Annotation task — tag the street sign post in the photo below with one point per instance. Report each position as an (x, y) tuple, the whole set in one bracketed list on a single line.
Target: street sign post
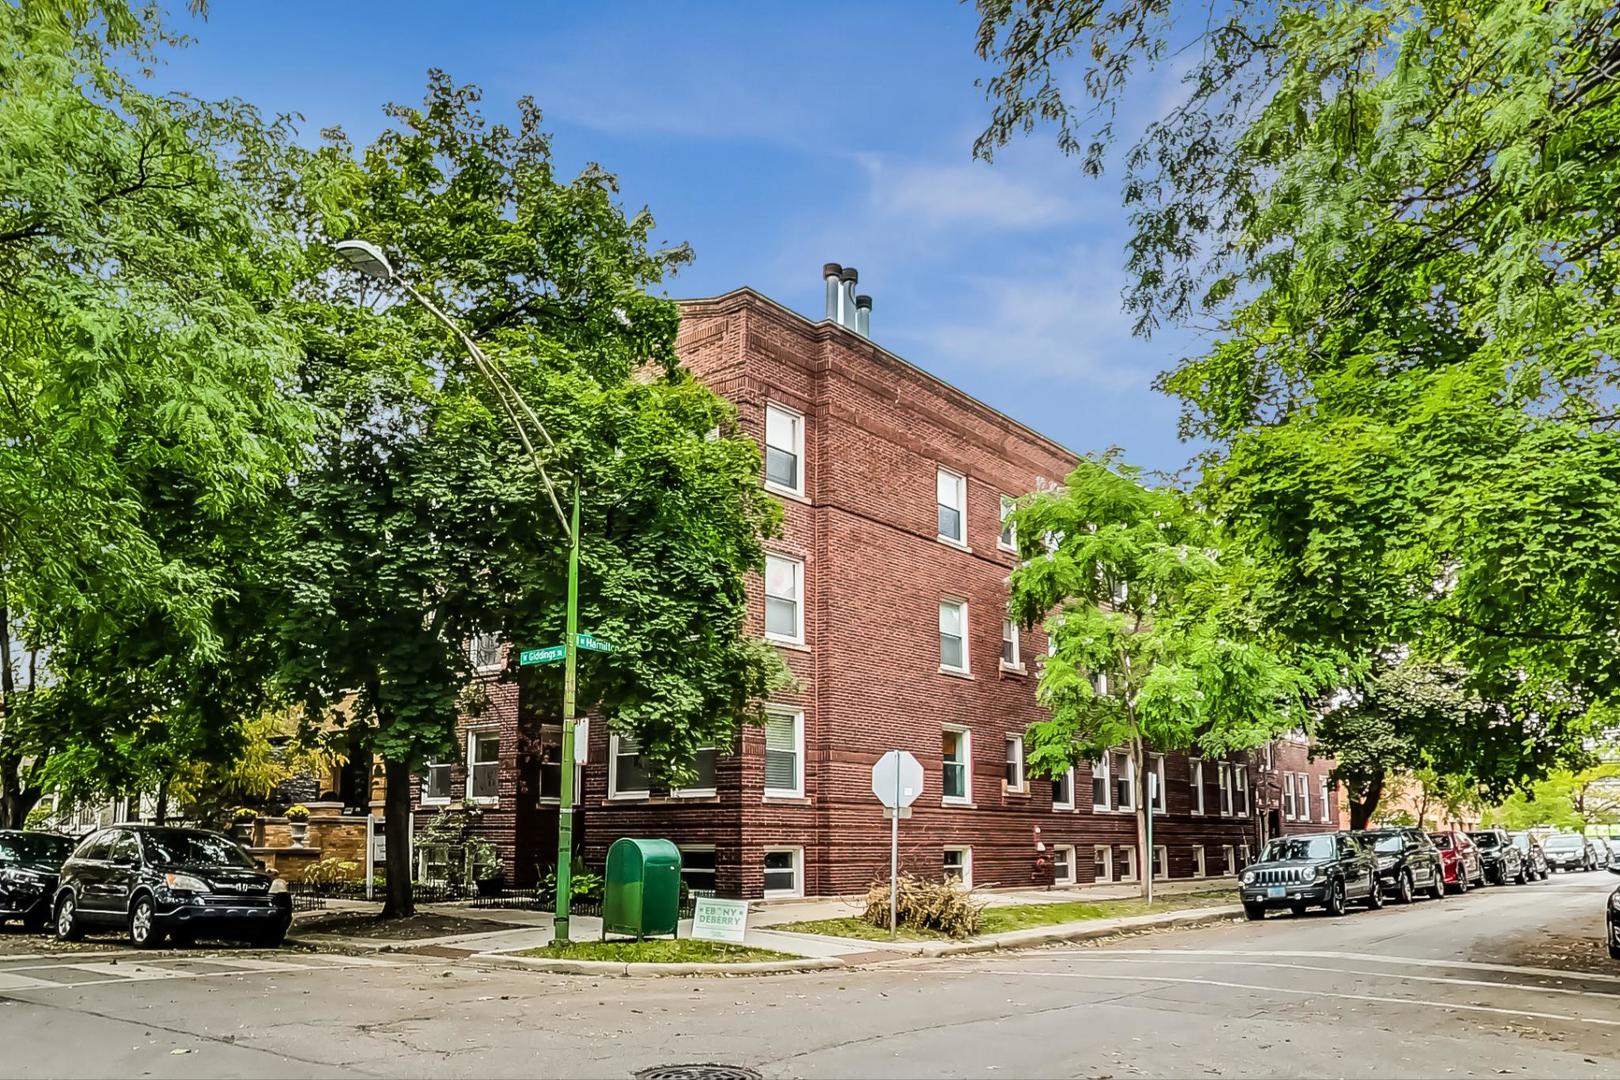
[(897, 780)]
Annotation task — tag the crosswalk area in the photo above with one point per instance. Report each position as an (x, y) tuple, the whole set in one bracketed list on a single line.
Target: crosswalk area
[(28, 974)]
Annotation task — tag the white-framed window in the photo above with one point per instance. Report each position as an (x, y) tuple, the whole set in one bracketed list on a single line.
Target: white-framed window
[(1327, 801), (1124, 771), (1128, 864), (1102, 863), (784, 871), (1014, 774), (483, 767), (697, 868), (1063, 864), (784, 752), (436, 783), (1063, 791), (484, 650), (1223, 775), (1195, 785), (1099, 783), (958, 865), (1266, 757), (784, 599), (1229, 859), (1156, 793), (703, 784), (1009, 644), (784, 449), (1008, 540), (627, 774), (953, 642), (1240, 790), (1198, 860), (1288, 796), (956, 774), (1304, 789), (951, 489), (1161, 862)]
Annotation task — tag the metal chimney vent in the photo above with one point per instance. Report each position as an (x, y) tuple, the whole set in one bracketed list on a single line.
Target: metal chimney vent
[(843, 306)]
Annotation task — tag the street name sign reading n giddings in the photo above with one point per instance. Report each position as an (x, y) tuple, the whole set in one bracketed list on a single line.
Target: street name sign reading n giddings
[(553, 653), (897, 780)]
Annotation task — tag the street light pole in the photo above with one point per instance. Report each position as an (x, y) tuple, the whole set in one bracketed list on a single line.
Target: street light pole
[(370, 260)]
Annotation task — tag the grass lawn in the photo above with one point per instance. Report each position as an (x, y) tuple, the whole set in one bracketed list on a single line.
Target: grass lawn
[(998, 920), (658, 951)]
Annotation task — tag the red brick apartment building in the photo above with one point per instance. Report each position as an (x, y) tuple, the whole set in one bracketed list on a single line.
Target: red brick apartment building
[(886, 593)]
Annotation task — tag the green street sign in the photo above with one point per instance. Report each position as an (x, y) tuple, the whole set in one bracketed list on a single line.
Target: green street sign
[(548, 655), (595, 644)]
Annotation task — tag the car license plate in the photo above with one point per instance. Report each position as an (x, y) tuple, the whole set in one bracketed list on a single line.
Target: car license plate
[(1276, 890)]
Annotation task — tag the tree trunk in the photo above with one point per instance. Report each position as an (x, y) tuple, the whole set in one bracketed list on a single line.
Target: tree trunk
[(160, 812), (1144, 807), (1362, 806), (400, 901)]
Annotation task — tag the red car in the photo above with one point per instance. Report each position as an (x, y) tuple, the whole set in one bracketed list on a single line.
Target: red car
[(1459, 860)]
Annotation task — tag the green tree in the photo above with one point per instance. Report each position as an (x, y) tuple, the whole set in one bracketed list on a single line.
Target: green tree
[(1565, 800), (1154, 647), (145, 379), (420, 522)]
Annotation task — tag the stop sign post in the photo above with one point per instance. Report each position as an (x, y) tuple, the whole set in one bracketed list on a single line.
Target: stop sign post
[(897, 780)]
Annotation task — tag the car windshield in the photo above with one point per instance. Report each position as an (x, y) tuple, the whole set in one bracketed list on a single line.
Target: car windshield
[(1520, 841), (1441, 840), (1387, 842), (1485, 839), (1286, 849), (174, 847), (1563, 843), (35, 847)]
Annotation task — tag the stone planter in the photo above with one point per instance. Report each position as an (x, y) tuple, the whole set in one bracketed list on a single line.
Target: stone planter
[(300, 829)]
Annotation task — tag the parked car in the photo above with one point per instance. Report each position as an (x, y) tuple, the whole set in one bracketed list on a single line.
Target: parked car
[(1459, 860), (1535, 859), (1614, 850), (1501, 859), (1612, 923), (29, 864), (1407, 861), (1599, 852), (157, 882), (1323, 869), (1566, 852)]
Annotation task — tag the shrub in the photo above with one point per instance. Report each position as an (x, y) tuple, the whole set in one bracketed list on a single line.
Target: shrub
[(298, 813), (329, 872), (40, 817), (943, 906), (582, 885), (244, 815)]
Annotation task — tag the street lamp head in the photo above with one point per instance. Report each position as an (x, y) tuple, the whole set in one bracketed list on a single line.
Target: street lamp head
[(365, 257)]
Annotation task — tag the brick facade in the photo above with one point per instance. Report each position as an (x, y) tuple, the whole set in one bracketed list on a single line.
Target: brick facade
[(875, 430)]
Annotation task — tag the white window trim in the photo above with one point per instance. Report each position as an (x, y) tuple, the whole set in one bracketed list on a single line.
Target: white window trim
[(1011, 543), (1108, 785), (1327, 801), (1304, 789), (1017, 662), (1070, 804), (967, 862), (1156, 777), (962, 517), (1130, 865), (967, 661), (703, 792), (428, 800), (1200, 867), (1130, 778), (1073, 870), (485, 669), (1240, 782), (1288, 803), (1163, 857), (1229, 855), (797, 637), (1223, 779), (1195, 780), (966, 798), (1108, 863), (798, 871), (797, 790), (1011, 739), (798, 447), (614, 791), (472, 741), (684, 848)]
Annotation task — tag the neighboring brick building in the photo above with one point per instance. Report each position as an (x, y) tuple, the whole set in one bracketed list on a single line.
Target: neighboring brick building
[(886, 594), (1293, 793)]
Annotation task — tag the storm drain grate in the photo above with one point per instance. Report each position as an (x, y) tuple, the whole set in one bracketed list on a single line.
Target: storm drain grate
[(697, 1072)]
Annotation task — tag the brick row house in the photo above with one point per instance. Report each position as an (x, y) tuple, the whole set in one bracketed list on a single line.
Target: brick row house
[(886, 594)]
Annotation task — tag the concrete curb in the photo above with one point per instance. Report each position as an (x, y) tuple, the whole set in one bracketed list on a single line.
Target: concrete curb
[(1037, 936), (612, 968)]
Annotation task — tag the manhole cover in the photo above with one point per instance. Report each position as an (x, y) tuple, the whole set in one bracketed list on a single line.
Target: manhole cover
[(697, 1072)]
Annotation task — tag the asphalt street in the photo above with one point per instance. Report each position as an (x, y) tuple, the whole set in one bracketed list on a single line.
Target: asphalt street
[(1501, 982)]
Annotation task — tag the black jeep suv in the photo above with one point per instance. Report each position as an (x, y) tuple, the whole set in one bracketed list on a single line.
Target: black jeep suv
[(1501, 861), (1407, 859), (156, 881), (29, 863), (1296, 872)]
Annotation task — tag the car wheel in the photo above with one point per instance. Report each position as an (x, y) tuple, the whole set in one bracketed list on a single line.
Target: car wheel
[(67, 918), (1462, 881), (1437, 884), (143, 930), (1254, 912), (1404, 891), (1522, 878), (1335, 900), (1614, 952), (1375, 896)]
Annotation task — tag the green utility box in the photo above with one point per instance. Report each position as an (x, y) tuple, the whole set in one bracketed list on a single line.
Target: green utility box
[(642, 893)]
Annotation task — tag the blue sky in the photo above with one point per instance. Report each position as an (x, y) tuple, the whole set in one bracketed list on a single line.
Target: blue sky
[(774, 138)]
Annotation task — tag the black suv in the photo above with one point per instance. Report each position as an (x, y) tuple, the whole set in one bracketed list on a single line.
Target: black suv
[(29, 863), (1611, 922), (1296, 872), (1407, 859), (1536, 866), (157, 881), (1499, 858)]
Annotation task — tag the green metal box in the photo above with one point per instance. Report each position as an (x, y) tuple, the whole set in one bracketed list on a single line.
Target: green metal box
[(642, 892)]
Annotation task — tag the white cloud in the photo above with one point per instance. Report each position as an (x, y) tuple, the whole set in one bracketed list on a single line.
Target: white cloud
[(934, 195)]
